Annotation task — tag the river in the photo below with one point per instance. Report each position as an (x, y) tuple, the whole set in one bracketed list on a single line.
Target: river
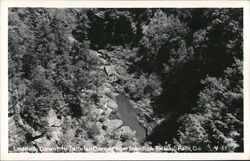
[(129, 117)]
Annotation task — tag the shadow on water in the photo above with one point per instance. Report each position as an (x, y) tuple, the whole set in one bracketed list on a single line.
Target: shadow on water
[(163, 133), (181, 88), (129, 117)]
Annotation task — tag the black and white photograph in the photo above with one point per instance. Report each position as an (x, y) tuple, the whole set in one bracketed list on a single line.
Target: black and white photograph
[(126, 80)]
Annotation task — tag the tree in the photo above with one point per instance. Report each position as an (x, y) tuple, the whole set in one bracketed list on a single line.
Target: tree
[(160, 36), (218, 115)]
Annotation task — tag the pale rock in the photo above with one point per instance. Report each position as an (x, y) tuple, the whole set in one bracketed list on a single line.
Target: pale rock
[(102, 101), (103, 61), (112, 104), (52, 118), (107, 85), (126, 132), (109, 70), (115, 94), (43, 142), (101, 67), (94, 53), (102, 51), (108, 111), (103, 90), (118, 147), (119, 144), (106, 90), (112, 124), (99, 139), (100, 111), (99, 125), (71, 39), (55, 133)]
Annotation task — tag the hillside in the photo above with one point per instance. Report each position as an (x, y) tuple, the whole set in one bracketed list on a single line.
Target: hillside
[(125, 80)]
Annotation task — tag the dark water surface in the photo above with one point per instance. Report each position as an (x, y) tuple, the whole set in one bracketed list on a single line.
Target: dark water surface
[(129, 117)]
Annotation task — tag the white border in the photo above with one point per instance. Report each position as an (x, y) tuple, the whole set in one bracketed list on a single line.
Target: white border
[(117, 156)]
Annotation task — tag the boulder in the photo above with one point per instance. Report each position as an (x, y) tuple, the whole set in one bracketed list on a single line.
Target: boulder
[(108, 111), (94, 53), (107, 85), (109, 70), (55, 133), (103, 90), (112, 124), (106, 90), (104, 62), (99, 139), (102, 51), (126, 133), (52, 118), (112, 104), (100, 15), (101, 67), (100, 111), (71, 39)]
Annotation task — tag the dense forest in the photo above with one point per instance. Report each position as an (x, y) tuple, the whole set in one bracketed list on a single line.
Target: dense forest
[(180, 70)]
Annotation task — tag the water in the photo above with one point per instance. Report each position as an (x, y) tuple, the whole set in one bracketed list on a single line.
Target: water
[(129, 117)]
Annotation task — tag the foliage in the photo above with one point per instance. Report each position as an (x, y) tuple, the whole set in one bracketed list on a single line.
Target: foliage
[(162, 31), (218, 122), (183, 66)]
